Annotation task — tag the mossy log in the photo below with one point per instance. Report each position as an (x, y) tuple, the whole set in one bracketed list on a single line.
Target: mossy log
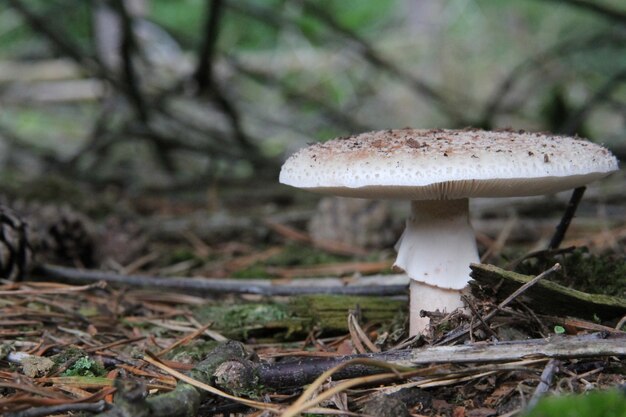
[(298, 316), (131, 398), (548, 297)]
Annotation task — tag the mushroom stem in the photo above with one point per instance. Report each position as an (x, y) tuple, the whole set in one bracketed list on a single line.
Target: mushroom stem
[(430, 298), (435, 251)]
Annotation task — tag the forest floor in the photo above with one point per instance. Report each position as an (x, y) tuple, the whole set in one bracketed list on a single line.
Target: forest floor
[(73, 342)]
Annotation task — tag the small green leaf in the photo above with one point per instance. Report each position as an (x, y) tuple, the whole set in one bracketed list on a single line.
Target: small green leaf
[(559, 329)]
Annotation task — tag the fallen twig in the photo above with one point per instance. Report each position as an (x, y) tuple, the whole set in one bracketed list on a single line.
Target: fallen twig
[(568, 215), (297, 372), (377, 286), (544, 381)]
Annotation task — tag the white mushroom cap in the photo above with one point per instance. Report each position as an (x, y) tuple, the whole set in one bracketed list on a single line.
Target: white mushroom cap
[(447, 164)]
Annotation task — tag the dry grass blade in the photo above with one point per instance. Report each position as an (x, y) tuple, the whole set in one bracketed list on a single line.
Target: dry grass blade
[(359, 337), (185, 339), (56, 290)]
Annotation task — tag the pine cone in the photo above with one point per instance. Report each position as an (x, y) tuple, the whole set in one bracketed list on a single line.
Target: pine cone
[(59, 234), (16, 255)]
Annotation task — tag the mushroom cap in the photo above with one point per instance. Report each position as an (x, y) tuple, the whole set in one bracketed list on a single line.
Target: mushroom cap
[(447, 164)]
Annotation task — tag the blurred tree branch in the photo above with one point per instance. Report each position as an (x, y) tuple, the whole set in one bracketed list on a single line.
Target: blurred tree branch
[(333, 114), (368, 53), (213, 108), (58, 38), (606, 11), (496, 103), (375, 58), (146, 107), (128, 48), (572, 125), (205, 78), (203, 74)]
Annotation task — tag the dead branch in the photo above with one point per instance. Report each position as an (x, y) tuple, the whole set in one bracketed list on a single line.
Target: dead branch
[(265, 287), (545, 380), (568, 215), (299, 371)]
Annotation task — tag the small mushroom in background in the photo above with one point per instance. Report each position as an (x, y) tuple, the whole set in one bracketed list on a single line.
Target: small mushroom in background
[(439, 170)]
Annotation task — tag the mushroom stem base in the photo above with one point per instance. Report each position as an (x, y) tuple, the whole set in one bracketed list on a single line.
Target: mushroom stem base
[(430, 298), (435, 251)]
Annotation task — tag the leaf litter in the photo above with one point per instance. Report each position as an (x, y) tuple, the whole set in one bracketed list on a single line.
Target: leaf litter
[(67, 348)]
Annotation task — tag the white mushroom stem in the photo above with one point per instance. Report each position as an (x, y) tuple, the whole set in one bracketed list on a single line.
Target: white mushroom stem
[(435, 251)]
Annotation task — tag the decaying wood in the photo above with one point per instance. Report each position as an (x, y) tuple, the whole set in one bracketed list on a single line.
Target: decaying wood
[(299, 316), (379, 285), (299, 371), (548, 297), (462, 331)]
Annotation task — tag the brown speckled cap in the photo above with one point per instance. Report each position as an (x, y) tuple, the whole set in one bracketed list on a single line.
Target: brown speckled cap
[(447, 164)]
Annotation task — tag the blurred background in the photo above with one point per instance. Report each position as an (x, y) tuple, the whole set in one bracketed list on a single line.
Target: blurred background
[(170, 94), (131, 103)]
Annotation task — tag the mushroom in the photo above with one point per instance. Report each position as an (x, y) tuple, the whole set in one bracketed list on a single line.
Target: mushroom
[(439, 170)]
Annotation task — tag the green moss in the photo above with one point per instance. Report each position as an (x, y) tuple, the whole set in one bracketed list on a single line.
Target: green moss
[(541, 296), (330, 312), (244, 320), (327, 313), (595, 404), (192, 352), (597, 274), (85, 366)]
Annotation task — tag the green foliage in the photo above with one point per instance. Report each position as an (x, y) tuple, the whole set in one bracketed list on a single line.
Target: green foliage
[(595, 404), (19, 40), (357, 16), (243, 25), (85, 366), (183, 17)]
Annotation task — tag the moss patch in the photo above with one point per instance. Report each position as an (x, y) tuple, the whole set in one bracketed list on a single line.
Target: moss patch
[(597, 274), (595, 404)]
